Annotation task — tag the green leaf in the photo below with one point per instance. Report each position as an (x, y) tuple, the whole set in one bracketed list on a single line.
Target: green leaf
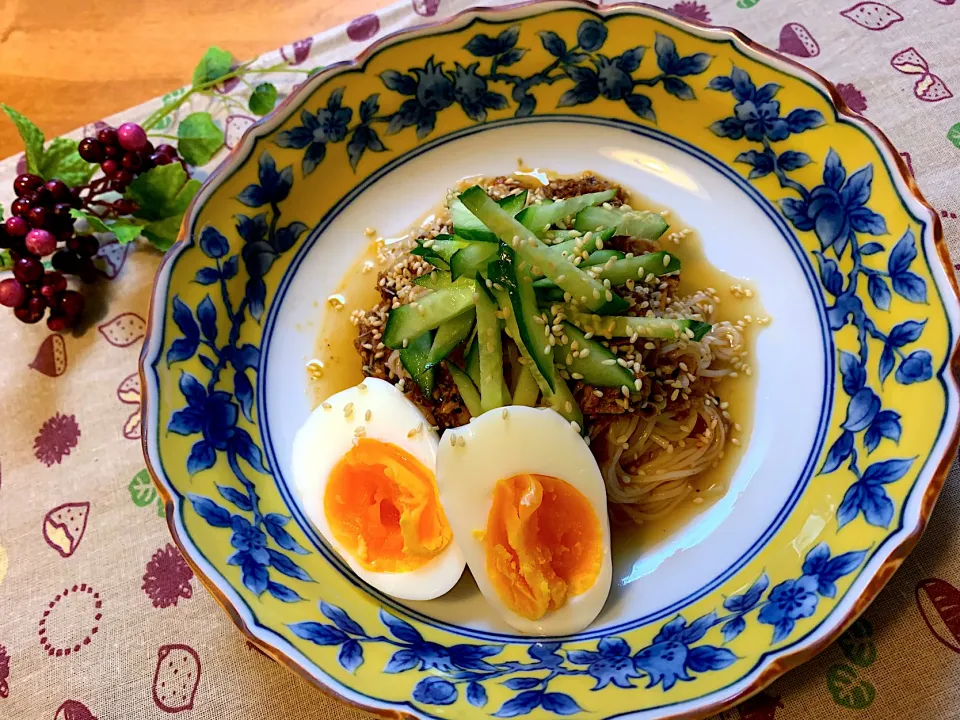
[(263, 99), (200, 138), (142, 491), (214, 64), (163, 195), (124, 229), (155, 191), (32, 138), (61, 160), (163, 233), (953, 135)]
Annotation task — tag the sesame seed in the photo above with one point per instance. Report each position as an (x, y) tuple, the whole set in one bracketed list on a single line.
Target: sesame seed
[(348, 410), (453, 440), (326, 405), (504, 414), (367, 415), (360, 432), (575, 426), (461, 441)]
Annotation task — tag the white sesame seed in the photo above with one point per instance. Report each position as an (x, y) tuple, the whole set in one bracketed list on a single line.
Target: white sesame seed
[(326, 405)]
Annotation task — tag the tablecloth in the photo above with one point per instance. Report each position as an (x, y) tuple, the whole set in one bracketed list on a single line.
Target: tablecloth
[(87, 617)]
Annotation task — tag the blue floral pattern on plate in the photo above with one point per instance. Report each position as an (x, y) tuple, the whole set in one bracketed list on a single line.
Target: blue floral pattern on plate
[(837, 212), (675, 654)]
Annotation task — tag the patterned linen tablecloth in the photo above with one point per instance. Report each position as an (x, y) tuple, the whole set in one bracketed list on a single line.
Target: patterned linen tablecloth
[(88, 617)]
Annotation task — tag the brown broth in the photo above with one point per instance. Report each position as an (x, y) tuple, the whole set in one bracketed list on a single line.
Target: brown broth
[(342, 369)]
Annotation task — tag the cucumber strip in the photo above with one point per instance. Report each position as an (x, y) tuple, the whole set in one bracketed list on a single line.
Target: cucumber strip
[(522, 306), (648, 327), (491, 353), (473, 363), (568, 244), (467, 390), (408, 322), (600, 366), (558, 396), (633, 223), (539, 218), (414, 359), (431, 257), (467, 226), (640, 266), (623, 269), (536, 255), (449, 335), (440, 280), (446, 246), (599, 257), (527, 391), (434, 280), (475, 257)]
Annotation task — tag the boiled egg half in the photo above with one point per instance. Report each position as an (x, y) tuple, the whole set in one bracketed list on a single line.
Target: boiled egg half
[(363, 466), (528, 507)]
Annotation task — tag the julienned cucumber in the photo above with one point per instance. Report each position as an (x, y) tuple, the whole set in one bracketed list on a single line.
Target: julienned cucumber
[(440, 250), (473, 364), (467, 390), (540, 218), (633, 223), (450, 334), (538, 256), (599, 366), (491, 352), (474, 257), (567, 243), (467, 226), (622, 269), (651, 327), (409, 322), (527, 391), (559, 396), (414, 360), (522, 305)]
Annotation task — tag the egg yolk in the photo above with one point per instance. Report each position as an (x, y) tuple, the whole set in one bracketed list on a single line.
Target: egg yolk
[(382, 506), (543, 543)]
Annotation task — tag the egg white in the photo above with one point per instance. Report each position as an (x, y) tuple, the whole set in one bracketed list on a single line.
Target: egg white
[(328, 435), (497, 445)]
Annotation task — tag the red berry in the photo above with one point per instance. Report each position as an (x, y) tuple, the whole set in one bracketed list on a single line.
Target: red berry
[(91, 150), (41, 242), (73, 244), (159, 158), (54, 283), (28, 270), (57, 322), (26, 183), (20, 207), (107, 136), (72, 303), (131, 137), (123, 177), (38, 217), (41, 197), (125, 206), (132, 161), (37, 304), (62, 210), (25, 315), (58, 189), (16, 226), (110, 167), (167, 149), (113, 151), (64, 260), (148, 149), (12, 293), (64, 233), (89, 246)]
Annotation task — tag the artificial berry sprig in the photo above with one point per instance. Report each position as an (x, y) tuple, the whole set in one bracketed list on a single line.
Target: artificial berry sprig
[(42, 226), (141, 192)]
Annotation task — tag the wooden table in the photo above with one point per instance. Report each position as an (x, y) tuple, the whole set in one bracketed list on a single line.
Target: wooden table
[(64, 63)]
